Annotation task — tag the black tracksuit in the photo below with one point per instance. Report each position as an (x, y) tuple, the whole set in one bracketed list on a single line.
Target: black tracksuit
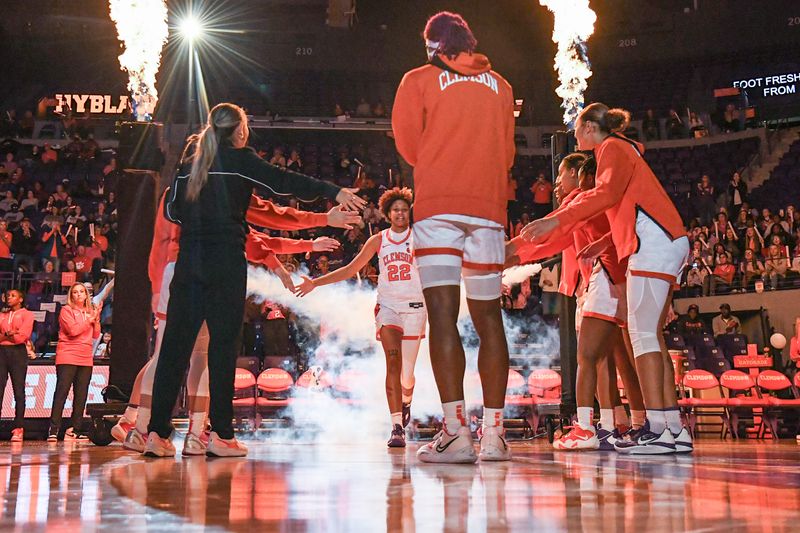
[(210, 277)]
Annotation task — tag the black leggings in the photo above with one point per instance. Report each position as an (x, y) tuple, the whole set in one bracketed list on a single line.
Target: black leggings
[(14, 362), (77, 377), (209, 284)]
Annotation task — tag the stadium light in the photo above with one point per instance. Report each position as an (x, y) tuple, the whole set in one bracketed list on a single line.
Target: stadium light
[(191, 28)]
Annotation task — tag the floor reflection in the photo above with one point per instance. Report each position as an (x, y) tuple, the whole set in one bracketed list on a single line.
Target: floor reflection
[(314, 488)]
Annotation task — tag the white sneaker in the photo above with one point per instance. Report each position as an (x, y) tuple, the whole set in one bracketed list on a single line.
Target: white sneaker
[(193, 445), (446, 448), (121, 429), (645, 442), (134, 441), (219, 447), (493, 445), (71, 436), (158, 447), (683, 441)]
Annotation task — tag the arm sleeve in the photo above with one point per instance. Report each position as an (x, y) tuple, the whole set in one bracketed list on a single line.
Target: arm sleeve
[(280, 245), (530, 252), (614, 171), (282, 181), (70, 326), (407, 119), (265, 214), (258, 252)]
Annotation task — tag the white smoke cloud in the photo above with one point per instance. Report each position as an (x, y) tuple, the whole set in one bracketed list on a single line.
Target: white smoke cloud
[(345, 312), (517, 274)]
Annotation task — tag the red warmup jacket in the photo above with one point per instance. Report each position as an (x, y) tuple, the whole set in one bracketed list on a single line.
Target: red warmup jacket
[(20, 321), (570, 244), (624, 185), (75, 336), (258, 246), (453, 121)]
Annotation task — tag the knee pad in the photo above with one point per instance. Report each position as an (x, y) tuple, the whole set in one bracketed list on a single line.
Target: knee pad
[(439, 275), (646, 299), (479, 285)]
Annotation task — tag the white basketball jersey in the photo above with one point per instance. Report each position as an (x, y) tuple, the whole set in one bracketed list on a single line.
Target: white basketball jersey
[(398, 282)]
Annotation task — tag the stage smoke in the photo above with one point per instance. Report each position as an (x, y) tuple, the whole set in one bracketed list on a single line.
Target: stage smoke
[(574, 23), (517, 274), (347, 348), (142, 28)]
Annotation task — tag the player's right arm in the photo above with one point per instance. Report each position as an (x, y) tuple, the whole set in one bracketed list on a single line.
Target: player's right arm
[(369, 250)]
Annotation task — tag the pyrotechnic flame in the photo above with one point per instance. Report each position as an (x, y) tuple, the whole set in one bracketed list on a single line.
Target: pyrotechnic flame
[(574, 23), (142, 28)]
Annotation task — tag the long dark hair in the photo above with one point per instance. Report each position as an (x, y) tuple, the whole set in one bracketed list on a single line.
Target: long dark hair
[(452, 33)]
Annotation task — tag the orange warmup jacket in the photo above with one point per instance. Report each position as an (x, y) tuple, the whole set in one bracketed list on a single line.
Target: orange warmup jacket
[(453, 121), (259, 247), (624, 186)]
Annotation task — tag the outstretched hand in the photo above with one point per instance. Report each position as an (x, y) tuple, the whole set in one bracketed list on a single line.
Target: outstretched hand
[(305, 287), (324, 244), (350, 200), (339, 218), (286, 278), (539, 229)]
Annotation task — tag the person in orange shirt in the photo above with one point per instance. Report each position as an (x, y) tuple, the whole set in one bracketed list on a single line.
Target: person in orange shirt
[(542, 196), (79, 325), (647, 230), (5, 246), (453, 121), (16, 325)]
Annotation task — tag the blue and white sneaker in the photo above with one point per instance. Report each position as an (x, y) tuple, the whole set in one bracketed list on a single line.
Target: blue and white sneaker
[(683, 441), (645, 442), (398, 437), (607, 439), (406, 414)]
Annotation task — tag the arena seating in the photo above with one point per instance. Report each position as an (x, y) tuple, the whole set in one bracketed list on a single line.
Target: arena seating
[(781, 188), (694, 405)]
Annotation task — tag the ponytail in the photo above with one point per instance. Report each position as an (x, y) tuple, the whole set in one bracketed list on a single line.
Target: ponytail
[(222, 122), (614, 120)]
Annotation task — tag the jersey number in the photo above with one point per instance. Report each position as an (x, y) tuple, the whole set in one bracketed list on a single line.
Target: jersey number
[(399, 273)]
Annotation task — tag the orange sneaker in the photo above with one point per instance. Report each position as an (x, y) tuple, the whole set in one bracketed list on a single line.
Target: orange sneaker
[(577, 439)]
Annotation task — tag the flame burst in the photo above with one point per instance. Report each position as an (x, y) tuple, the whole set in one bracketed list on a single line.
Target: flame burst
[(142, 28), (574, 23)]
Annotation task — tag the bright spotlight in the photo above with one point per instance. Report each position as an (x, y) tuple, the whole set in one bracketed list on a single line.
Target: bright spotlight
[(191, 28)]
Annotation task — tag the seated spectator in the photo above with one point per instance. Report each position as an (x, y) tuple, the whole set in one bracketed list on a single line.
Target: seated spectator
[(776, 266), (294, 163), (277, 158), (650, 127), (542, 191), (83, 263), (722, 274), (45, 281), (696, 126), (7, 201), (731, 243), (675, 127), (691, 324), (725, 323), (695, 277), (9, 165), (75, 215), (752, 240), (13, 217), (363, 108), (49, 156), (30, 202), (730, 119), (378, 110), (751, 268)]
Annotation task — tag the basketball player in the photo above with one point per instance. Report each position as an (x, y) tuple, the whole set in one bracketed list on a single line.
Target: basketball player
[(259, 248), (600, 317), (400, 315), (647, 230), (453, 121)]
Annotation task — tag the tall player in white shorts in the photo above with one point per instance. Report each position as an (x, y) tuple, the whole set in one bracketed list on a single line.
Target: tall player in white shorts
[(400, 316)]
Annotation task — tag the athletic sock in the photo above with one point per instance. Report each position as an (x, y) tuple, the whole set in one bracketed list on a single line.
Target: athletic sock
[(658, 420), (607, 419), (407, 394), (197, 423), (586, 417), (492, 417), (638, 418), (143, 419), (397, 419), (673, 417), (621, 417), (130, 413), (454, 415)]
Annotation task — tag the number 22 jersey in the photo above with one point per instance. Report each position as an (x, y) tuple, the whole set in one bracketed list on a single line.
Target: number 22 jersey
[(398, 283)]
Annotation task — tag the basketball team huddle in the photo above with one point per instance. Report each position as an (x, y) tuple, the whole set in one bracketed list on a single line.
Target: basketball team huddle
[(622, 241)]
